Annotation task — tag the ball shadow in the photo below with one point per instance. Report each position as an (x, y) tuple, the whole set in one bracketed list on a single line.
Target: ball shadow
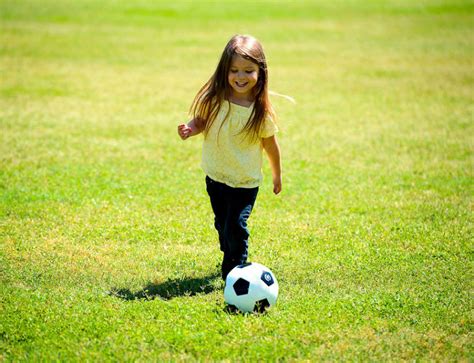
[(170, 289), (233, 310)]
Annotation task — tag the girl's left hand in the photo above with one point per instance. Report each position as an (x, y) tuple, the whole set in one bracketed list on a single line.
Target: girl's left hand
[(277, 185)]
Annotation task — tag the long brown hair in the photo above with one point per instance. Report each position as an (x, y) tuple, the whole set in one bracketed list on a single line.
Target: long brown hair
[(208, 101)]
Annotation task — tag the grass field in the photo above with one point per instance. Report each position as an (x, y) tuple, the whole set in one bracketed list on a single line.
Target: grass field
[(108, 250)]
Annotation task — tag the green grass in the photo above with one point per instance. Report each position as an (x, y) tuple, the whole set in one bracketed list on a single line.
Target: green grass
[(107, 245)]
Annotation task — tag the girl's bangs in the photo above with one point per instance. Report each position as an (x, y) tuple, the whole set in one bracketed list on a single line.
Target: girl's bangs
[(245, 53)]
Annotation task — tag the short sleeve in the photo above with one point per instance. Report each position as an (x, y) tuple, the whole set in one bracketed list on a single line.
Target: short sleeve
[(269, 128)]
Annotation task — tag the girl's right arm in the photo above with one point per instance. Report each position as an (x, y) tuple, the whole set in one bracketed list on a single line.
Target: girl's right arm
[(191, 129)]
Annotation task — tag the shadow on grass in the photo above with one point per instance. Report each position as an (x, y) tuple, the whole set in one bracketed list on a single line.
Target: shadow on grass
[(170, 289)]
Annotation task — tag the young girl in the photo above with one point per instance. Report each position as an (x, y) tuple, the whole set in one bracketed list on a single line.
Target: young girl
[(234, 113)]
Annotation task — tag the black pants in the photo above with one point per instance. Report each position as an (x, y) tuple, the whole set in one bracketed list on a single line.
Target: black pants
[(232, 208)]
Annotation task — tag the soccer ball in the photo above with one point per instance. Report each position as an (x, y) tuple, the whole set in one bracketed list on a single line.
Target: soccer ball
[(251, 287)]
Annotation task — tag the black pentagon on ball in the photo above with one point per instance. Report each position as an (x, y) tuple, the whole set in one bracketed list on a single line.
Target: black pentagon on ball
[(241, 287), (267, 278), (261, 306), (244, 265)]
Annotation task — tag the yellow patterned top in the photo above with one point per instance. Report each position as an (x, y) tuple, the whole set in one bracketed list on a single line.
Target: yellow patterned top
[(231, 157)]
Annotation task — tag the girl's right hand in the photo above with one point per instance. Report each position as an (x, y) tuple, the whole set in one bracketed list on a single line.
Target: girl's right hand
[(184, 131)]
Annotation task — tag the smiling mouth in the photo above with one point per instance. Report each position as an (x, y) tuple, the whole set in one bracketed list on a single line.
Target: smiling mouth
[(241, 84)]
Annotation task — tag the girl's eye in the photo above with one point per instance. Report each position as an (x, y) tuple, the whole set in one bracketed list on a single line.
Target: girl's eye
[(236, 71)]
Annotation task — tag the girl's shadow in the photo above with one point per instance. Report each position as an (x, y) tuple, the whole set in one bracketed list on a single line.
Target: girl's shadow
[(170, 289)]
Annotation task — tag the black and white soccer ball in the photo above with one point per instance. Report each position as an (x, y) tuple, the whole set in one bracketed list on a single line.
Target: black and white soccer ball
[(251, 287)]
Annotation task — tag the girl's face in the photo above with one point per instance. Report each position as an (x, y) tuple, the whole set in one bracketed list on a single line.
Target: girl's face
[(242, 77)]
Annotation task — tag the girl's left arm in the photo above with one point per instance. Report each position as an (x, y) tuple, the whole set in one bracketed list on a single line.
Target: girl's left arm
[(270, 144)]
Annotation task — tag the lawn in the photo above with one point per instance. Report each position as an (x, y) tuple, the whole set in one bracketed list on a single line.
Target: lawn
[(107, 249)]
